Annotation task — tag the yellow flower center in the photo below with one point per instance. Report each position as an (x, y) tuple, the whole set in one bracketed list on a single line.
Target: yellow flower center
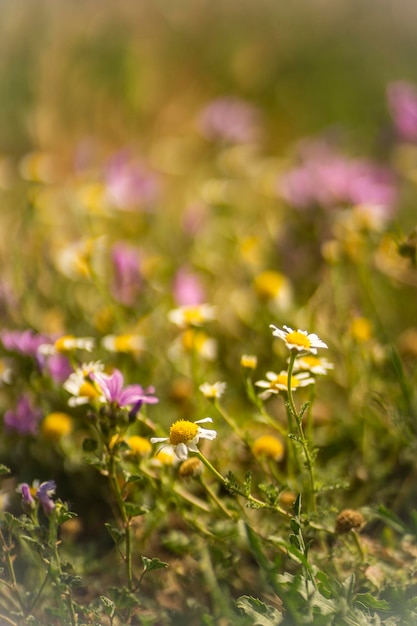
[(87, 390), (361, 329), (193, 315), (310, 361), (282, 380), (139, 445), (182, 431), (269, 284), (298, 339), (268, 446), (193, 340), (56, 425), (64, 343)]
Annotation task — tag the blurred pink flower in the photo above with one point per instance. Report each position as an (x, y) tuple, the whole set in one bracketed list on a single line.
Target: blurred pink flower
[(131, 395), (326, 178), (130, 185), (231, 120), (24, 419), (402, 103), (22, 341), (127, 280), (187, 288)]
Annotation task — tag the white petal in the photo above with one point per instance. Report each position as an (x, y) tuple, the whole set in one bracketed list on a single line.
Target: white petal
[(158, 439), (202, 421), (181, 451), (207, 434)]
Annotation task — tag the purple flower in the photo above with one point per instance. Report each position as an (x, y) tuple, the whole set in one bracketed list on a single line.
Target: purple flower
[(58, 367), (26, 495), (187, 288), (402, 102), (26, 341), (24, 419), (127, 279), (231, 120), (130, 185), (114, 392), (44, 493)]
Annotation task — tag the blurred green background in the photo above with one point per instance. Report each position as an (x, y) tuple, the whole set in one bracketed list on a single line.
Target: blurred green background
[(136, 68)]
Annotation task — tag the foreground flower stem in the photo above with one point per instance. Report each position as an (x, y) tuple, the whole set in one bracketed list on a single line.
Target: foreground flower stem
[(298, 417), (251, 499), (125, 519)]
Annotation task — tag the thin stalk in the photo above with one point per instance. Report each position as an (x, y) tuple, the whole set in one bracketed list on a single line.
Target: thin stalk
[(300, 432), (125, 518)]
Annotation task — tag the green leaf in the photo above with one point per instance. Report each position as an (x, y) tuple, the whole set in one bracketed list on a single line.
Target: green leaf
[(295, 526), (117, 535), (260, 613), (109, 606), (133, 510), (297, 506), (4, 470), (367, 600), (150, 564)]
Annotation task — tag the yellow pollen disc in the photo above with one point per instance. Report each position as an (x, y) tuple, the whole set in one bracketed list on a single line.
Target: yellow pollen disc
[(311, 361), (269, 284), (56, 425), (182, 431), (282, 379), (87, 390), (193, 316), (64, 343), (268, 446), (139, 445), (298, 339)]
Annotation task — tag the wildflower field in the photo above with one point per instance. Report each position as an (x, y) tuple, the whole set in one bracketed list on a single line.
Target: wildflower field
[(208, 331)]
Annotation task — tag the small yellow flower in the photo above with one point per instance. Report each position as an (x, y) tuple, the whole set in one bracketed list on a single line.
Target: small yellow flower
[(361, 329), (272, 285), (298, 340), (249, 361), (268, 446), (197, 341), (139, 446), (56, 425)]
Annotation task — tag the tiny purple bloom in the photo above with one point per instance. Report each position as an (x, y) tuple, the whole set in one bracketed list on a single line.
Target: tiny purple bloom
[(187, 288), (130, 185), (26, 341), (24, 419), (114, 392), (127, 280), (26, 495), (231, 120), (44, 493)]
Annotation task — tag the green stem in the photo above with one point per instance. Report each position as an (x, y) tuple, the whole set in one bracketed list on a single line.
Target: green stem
[(125, 518), (300, 432), (255, 501), (11, 572)]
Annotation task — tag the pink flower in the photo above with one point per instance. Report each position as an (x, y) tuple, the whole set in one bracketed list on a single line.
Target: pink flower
[(25, 342), (130, 185), (231, 120), (127, 279), (114, 392), (24, 419), (187, 288), (402, 103)]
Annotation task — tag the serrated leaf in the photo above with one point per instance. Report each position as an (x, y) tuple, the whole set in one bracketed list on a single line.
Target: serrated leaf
[(151, 564), (260, 613), (367, 600), (109, 606), (133, 510)]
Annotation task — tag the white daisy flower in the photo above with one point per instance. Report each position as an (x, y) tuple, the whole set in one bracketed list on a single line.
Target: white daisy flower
[(67, 343), (275, 383), (313, 364), (299, 340), (80, 384), (192, 315), (185, 435), (211, 391)]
